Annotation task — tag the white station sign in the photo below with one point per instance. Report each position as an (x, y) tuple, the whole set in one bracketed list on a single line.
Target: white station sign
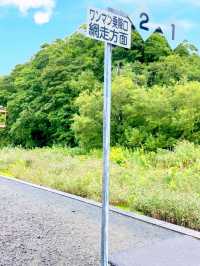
[(109, 27)]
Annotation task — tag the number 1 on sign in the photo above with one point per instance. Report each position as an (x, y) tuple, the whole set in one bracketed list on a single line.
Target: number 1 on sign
[(173, 31)]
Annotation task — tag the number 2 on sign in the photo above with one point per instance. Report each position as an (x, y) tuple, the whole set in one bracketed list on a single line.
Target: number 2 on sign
[(145, 19)]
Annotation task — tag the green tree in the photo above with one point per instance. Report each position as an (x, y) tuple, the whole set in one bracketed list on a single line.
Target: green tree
[(156, 47), (185, 49), (56, 97)]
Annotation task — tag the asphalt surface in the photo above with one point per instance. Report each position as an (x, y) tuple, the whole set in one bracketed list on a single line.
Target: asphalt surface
[(38, 227), (179, 251)]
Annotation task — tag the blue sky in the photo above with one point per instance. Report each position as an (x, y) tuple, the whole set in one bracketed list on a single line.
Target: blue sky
[(27, 24)]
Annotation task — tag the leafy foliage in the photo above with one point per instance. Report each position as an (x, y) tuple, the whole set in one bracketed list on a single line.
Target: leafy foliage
[(151, 118), (56, 97), (156, 47), (40, 94)]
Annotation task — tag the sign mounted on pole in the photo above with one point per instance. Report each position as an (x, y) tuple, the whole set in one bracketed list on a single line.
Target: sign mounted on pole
[(109, 27), (114, 28)]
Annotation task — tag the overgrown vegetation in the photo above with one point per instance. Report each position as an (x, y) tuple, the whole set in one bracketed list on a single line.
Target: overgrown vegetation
[(165, 185), (56, 98), (152, 119), (55, 101)]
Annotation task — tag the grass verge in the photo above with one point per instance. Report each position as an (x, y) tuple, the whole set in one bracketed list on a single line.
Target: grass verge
[(164, 185)]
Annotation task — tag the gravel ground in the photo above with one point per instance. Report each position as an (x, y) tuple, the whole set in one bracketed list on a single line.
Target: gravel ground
[(44, 228)]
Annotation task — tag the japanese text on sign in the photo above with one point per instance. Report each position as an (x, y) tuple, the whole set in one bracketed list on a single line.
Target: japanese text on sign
[(109, 27)]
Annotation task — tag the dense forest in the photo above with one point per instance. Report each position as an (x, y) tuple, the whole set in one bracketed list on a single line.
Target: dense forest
[(56, 97)]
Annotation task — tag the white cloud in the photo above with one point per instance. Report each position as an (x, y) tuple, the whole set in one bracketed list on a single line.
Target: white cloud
[(44, 8), (42, 17)]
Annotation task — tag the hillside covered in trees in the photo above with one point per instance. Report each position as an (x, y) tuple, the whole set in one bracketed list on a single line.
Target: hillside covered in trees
[(55, 101), (56, 97)]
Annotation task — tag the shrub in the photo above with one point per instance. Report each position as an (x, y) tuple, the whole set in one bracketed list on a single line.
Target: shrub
[(150, 118), (178, 208)]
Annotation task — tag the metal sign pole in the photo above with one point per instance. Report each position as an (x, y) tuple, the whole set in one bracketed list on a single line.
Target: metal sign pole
[(106, 152), (113, 27)]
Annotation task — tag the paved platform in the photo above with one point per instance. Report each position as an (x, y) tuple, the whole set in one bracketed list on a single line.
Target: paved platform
[(47, 227), (179, 251)]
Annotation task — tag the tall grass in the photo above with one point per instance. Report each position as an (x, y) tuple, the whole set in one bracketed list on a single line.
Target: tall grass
[(164, 185)]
